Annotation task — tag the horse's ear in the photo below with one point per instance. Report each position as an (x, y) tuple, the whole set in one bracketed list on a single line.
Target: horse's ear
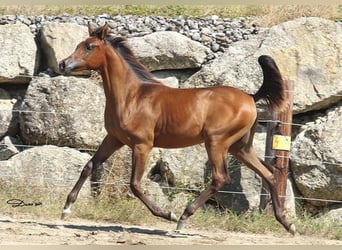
[(104, 30), (90, 29)]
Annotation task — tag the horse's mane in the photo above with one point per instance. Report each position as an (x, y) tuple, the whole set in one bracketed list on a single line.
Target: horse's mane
[(120, 44)]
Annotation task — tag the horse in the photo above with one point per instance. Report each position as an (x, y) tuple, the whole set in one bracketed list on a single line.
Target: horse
[(141, 112)]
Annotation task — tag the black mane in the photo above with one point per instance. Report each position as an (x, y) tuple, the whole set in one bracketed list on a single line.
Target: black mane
[(120, 45)]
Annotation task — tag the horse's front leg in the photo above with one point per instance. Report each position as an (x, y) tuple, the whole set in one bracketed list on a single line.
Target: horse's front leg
[(106, 149), (139, 159)]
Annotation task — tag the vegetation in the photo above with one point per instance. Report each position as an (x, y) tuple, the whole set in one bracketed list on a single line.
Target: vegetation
[(115, 209), (266, 14)]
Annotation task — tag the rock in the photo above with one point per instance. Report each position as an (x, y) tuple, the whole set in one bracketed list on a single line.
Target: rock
[(8, 119), (243, 193), (170, 81), (306, 50), (196, 36), (58, 169), (18, 53), (168, 50), (59, 40), (290, 199), (9, 147), (132, 26), (64, 111), (215, 47), (166, 198), (334, 215), (173, 78), (316, 158), (188, 165)]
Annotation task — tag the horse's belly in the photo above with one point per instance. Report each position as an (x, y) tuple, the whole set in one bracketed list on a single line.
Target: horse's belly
[(174, 141)]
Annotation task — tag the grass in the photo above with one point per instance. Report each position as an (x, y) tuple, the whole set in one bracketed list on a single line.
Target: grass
[(276, 14), (129, 210), (266, 15), (259, 223)]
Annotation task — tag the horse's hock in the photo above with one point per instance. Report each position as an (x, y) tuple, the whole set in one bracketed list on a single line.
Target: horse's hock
[(316, 74)]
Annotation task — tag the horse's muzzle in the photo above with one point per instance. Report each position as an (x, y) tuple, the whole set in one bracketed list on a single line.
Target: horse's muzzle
[(62, 68), (66, 66)]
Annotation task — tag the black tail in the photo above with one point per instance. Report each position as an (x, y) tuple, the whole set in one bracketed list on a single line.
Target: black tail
[(272, 89)]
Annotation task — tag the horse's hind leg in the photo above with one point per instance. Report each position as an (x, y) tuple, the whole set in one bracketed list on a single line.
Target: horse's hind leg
[(107, 147), (220, 176), (246, 154)]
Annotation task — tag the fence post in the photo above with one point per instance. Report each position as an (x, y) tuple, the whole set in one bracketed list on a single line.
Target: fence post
[(277, 150)]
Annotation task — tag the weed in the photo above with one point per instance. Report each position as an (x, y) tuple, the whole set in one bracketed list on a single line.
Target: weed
[(266, 15), (131, 210)]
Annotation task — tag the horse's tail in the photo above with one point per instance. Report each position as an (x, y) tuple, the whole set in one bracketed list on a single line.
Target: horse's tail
[(272, 90)]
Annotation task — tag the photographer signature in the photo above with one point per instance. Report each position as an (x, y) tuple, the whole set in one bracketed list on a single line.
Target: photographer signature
[(21, 203)]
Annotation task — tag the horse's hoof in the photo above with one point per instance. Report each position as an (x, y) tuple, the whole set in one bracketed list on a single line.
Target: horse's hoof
[(65, 213), (172, 217), (292, 229), (180, 225)]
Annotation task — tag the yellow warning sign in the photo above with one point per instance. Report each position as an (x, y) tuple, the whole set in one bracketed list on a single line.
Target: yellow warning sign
[(281, 142)]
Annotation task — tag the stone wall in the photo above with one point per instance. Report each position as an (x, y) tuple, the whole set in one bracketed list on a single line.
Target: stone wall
[(39, 107)]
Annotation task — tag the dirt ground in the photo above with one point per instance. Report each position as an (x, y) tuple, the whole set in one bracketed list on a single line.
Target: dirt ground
[(33, 231)]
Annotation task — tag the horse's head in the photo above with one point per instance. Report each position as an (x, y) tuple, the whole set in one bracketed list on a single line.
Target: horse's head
[(88, 54)]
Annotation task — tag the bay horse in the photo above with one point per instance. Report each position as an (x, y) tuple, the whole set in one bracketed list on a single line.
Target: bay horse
[(142, 113)]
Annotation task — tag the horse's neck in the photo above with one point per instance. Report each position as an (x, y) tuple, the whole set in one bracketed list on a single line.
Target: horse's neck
[(118, 81)]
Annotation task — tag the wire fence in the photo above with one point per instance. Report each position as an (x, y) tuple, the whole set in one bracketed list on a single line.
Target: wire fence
[(24, 146), (173, 189)]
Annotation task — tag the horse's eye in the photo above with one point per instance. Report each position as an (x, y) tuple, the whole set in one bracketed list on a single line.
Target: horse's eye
[(89, 46)]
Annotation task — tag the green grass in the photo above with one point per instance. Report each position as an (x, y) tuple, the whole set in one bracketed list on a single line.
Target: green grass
[(267, 15), (137, 10)]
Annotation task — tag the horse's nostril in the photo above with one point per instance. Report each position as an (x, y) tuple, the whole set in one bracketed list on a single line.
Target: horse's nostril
[(62, 65)]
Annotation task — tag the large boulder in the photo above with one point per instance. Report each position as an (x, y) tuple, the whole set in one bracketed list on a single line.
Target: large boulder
[(8, 118), (64, 111), (159, 50), (48, 168), (59, 40), (334, 215), (18, 52), (307, 51), (243, 193), (188, 166), (168, 50), (316, 158), (9, 146)]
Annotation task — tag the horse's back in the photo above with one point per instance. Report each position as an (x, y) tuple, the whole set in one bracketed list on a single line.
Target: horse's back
[(187, 116), (231, 111)]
